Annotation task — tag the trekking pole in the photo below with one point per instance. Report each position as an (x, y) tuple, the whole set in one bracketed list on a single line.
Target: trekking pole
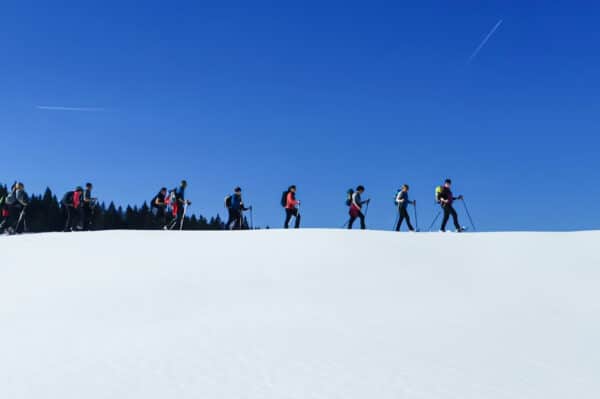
[(416, 217), (185, 205), (468, 214), (434, 220), (367, 208), (21, 219)]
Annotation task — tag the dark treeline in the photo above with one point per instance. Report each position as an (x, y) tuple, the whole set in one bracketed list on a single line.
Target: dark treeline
[(44, 214)]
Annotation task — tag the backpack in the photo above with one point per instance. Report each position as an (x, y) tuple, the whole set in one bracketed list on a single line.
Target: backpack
[(67, 199), (228, 201), (396, 197), (438, 192), (284, 198), (349, 195)]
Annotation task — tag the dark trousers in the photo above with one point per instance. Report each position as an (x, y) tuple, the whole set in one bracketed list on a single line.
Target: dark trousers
[(404, 216), (449, 210), (88, 215), (234, 222), (13, 221), (288, 216), (353, 217), (160, 216), (74, 217)]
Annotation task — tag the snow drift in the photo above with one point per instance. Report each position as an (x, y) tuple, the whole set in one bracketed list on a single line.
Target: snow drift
[(300, 314)]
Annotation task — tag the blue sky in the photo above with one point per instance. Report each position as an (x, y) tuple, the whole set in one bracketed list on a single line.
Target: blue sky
[(325, 95)]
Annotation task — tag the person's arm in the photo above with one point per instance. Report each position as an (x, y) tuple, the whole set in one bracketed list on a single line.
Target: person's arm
[(23, 198), (400, 198)]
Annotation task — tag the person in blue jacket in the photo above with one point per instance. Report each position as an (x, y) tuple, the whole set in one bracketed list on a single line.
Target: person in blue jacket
[(235, 206)]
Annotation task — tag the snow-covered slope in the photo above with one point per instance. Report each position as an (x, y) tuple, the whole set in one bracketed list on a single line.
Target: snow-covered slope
[(300, 314)]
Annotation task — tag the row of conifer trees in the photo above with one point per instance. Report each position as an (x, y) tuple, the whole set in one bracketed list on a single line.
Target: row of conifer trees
[(44, 214)]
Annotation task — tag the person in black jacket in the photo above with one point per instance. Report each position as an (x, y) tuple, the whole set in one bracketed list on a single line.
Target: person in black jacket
[(158, 206), (446, 199), (16, 204), (88, 206)]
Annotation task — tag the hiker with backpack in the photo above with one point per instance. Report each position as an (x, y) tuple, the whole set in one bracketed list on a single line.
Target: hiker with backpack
[(179, 204), (235, 207), (88, 206), (158, 207), (356, 205), (402, 202), (291, 205), (15, 205), (72, 204), (445, 198), (4, 208)]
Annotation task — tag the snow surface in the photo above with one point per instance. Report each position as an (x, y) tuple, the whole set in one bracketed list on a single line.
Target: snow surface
[(300, 314)]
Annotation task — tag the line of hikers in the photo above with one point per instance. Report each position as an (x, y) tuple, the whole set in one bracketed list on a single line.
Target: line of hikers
[(169, 208)]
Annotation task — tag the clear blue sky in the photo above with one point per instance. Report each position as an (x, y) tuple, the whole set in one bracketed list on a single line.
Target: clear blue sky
[(325, 95)]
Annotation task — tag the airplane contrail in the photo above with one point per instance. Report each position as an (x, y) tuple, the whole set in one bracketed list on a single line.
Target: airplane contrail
[(484, 41), (61, 108)]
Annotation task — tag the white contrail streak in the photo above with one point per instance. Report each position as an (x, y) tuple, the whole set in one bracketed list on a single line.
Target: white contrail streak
[(60, 108), (484, 41)]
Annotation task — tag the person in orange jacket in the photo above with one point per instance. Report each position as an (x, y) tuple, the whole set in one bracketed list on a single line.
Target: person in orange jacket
[(291, 207)]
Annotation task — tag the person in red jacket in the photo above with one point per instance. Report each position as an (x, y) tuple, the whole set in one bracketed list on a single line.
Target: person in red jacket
[(291, 208)]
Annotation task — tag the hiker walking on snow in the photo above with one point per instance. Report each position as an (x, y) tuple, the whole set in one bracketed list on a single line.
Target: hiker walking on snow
[(180, 203), (445, 198), (88, 205), (16, 204), (159, 202), (356, 206), (4, 207), (235, 207), (402, 202), (291, 204), (72, 203)]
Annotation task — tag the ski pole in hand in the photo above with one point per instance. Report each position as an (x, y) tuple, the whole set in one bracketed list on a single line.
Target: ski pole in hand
[(468, 214)]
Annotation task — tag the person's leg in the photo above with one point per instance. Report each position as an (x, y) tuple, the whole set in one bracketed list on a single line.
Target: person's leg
[(80, 217), (363, 226), (13, 217), (161, 219), (297, 216), (67, 210), (400, 219), (455, 219), (229, 219), (180, 216), (239, 222), (351, 221), (288, 216), (446, 210), (407, 217)]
